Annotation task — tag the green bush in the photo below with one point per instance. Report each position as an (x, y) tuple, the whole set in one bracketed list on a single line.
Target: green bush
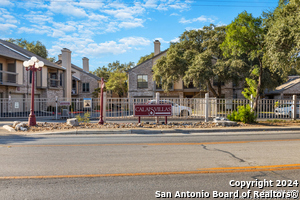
[(85, 118), (244, 115)]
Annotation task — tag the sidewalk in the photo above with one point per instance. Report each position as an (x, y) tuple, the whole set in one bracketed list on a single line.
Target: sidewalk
[(259, 129)]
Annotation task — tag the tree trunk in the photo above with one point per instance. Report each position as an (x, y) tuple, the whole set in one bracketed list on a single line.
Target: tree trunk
[(212, 89)]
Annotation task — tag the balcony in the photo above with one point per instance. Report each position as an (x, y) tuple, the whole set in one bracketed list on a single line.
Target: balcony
[(9, 78)]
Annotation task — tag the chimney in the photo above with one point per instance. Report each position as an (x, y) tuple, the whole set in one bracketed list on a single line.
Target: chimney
[(85, 64), (67, 82), (156, 47), (59, 57)]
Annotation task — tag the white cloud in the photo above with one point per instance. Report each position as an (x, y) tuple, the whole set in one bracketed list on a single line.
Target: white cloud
[(132, 24), (36, 30), (162, 7), (38, 18), (91, 4), (67, 27), (6, 3), (151, 4), (97, 17), (67, 9), (174, 14), (122, 12), (135, 41), (175, 40), (6, 17), (162, 40), (6, 28), (87, 47), (184, 21), (58, 33), (112, 27), (105, 48), (199, 19)]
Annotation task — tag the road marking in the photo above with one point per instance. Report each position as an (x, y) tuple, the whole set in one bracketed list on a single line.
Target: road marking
[(200, 171), (149, 144)]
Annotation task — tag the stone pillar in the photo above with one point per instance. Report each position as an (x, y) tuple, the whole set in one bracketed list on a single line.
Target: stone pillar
[(59, 57), (67, 82), (156, 47), (85, 64)]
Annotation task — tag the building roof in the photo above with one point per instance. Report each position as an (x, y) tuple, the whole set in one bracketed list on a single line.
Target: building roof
[(281, 88), (81, 70), (14, 51), (147, 60)]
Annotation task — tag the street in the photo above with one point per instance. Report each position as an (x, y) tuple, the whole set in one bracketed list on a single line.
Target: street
[(143, 166)]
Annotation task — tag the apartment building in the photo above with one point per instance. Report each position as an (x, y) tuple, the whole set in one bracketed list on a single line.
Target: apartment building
[(141, 84), (62, 79)]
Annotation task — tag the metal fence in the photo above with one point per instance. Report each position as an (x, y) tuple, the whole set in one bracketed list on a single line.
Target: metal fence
[(121, 108)]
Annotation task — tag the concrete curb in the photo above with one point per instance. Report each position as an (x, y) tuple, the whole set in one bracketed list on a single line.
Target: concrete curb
[(259, 130), (8, 128)]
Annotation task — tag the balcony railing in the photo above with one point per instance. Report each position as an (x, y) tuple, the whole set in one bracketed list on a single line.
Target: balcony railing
[(8, 78)]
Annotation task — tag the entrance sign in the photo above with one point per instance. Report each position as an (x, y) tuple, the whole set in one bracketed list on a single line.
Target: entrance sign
[(152, 110), (64, 103), (87, 102)]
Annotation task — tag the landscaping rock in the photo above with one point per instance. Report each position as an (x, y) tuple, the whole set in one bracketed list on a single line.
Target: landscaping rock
[(9, 128), (20, 125), (72, 122), (16, 123)]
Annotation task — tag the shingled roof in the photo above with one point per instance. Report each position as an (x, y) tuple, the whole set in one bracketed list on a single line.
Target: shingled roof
[(81, 70), (281, 88), (14, 51)]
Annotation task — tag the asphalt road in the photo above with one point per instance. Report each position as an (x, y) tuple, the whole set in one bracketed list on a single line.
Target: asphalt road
[(137, 166)]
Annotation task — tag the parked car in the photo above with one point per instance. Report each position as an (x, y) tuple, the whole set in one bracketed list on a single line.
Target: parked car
[(176, 109), (286, 110)]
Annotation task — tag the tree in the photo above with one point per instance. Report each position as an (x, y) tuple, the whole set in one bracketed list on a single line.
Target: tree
[(144, 58), (211, 64), (115, 75), (102, 72), (117, 82), (283, 37), (196, 57), (35, 47), (245, 35)]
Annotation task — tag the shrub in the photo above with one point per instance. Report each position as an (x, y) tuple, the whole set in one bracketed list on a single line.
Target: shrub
[(85, 118), (244, 115)]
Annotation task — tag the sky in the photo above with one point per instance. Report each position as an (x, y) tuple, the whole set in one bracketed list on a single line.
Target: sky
[(106, 31)]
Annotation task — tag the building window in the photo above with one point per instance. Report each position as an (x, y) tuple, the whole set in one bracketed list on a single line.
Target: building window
[(53, 80), (85, 87), (142, 81)]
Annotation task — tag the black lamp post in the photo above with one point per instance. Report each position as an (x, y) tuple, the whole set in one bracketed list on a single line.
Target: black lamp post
[(33, 65)]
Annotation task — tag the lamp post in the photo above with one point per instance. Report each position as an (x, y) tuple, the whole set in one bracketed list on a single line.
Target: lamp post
[(33, 65), (101, 103)]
